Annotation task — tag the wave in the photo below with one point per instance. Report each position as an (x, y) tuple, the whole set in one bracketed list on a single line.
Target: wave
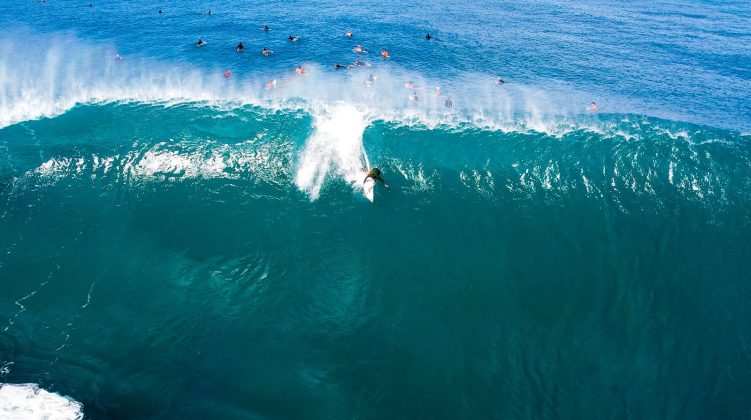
[(29, 401), (287, 151), (339, 119)]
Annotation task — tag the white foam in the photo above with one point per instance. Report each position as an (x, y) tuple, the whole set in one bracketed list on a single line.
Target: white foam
[(28, 401)]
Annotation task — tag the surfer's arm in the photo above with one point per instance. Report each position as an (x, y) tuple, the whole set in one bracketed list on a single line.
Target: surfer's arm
[(384, 182)]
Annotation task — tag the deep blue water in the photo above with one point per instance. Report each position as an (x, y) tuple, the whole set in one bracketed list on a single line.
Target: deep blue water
[(177, 244)]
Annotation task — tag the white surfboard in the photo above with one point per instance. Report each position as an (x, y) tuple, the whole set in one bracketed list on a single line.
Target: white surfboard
[(368, 187)]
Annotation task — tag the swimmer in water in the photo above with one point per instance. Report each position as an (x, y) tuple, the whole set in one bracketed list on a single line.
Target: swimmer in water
[(413, 96), (449, 104), (358, 49), (270, 84), (293, 38), (240, 47), (593, 107), (437, 91), (300, 70), (410, 85), (375, 173), (200, 42), (348, 34), (499, 81), (428, 37), (361, 63), (266, 51), (118, 57), (339, 66), (385, 54)]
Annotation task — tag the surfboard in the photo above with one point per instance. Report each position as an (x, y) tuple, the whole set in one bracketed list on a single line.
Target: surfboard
[(368, 187)]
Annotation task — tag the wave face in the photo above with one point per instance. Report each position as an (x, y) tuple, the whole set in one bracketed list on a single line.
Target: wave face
[(527, 274), (175, 243)]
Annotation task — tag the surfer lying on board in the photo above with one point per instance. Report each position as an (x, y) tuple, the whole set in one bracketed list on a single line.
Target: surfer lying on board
[(375, 173)]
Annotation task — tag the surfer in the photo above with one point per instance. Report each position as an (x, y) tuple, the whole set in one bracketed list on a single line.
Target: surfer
[(593, 107), (348, 34), (385, 54), (339, 66), (499, 81), (449, 104), (200, 42), (266, 51), (240, 47), (428, 37), (375, 173), (410, 85), (437, 91), (361, 63), (413, 96), (359, 49), (265, 28), (300, 70), (160, 11), (293, 38)]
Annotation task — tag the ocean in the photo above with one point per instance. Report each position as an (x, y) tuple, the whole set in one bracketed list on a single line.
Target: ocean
[(177, 242)]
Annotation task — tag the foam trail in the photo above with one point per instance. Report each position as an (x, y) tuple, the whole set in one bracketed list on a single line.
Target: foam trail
[(28, 401), (335, 148)]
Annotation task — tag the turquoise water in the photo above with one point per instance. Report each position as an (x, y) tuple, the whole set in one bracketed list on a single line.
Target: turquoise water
[(180, 245)]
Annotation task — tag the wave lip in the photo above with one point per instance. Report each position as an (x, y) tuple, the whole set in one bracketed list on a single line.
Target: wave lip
[(67, 71), (29, 401)]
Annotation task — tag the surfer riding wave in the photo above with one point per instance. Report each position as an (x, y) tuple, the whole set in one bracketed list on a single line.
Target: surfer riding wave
[(375, 173)]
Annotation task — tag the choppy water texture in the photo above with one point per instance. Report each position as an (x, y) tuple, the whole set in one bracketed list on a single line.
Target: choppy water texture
[(177, 244)]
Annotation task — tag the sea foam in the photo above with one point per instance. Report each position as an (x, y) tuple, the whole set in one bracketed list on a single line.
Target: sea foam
[(28, 401)]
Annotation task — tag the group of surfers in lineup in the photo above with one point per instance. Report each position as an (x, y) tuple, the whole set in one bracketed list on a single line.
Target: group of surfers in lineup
[(357, 63)]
